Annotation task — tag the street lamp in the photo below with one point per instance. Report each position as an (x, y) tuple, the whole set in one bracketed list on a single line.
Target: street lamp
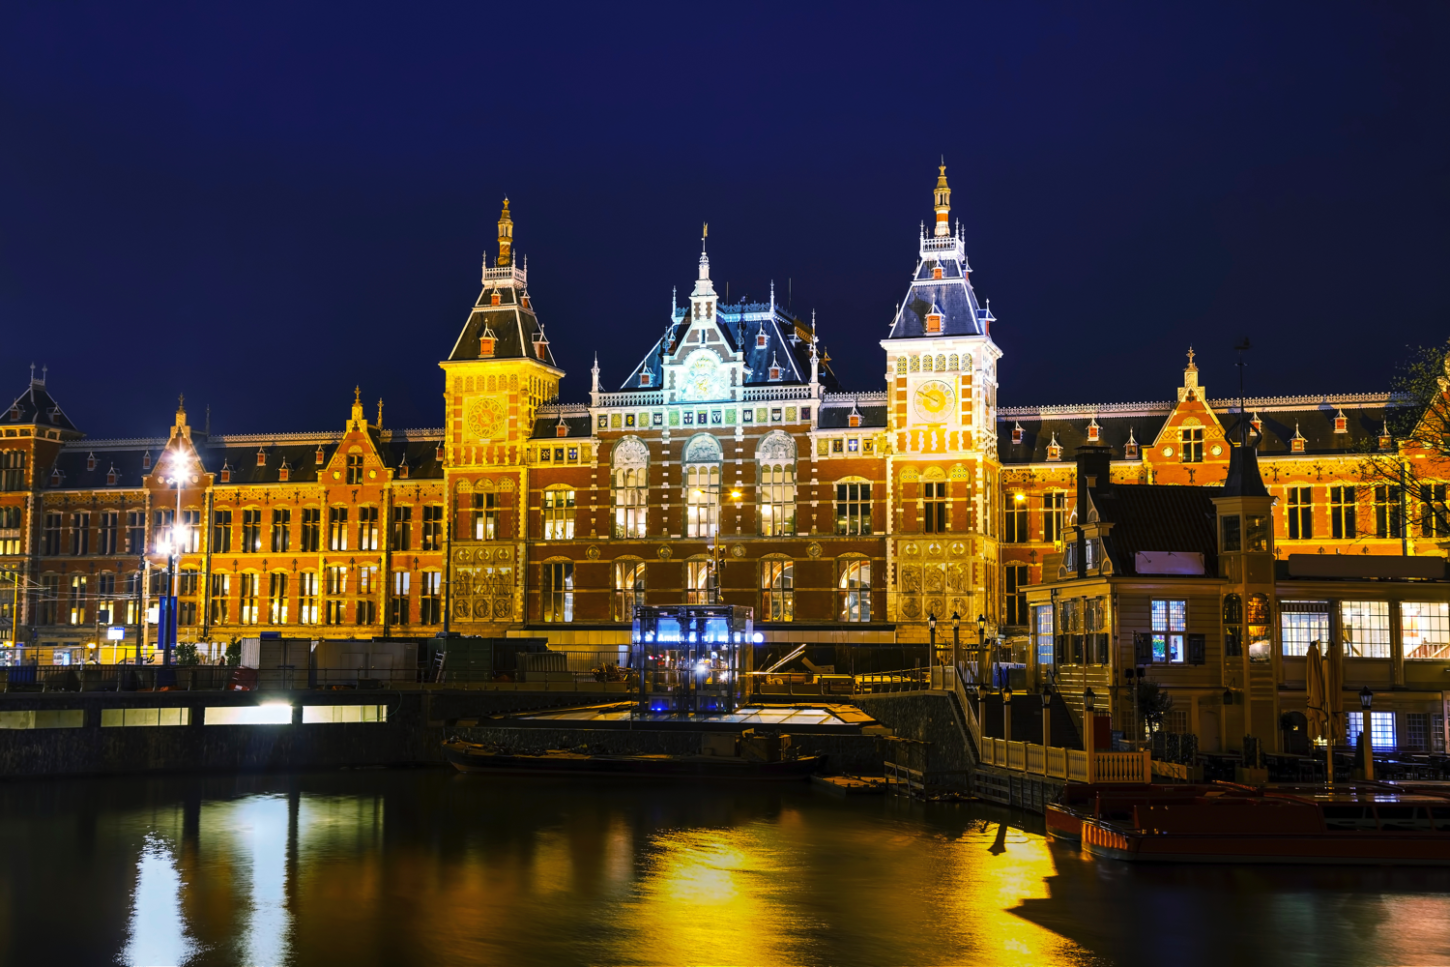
[(1366, 702), (931, 630), (172, 545), (982, 650), (956, 642)]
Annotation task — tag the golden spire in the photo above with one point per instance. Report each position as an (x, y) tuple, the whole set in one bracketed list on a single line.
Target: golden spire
[(505, 236), (943, 197)]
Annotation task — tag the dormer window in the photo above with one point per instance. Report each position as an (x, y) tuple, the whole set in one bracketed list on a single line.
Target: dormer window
[(933, 320), (525, 301), (1386, 442), (1296, 442), (319, 457), (261, 456), (936, 272), (90, 461), (1131, 450), (1054, 449), (112, 476), (284, 472), (495, 298), (146, 460), (55, 477), (562, 429), (1341, 424), (1094, 431), (438, 453), (760, 338), (854, 420), (1257, 423), (226, 473), (646, 378), (15, 412), (486, 343), (403, 470), (1016, 432), (774, 368)]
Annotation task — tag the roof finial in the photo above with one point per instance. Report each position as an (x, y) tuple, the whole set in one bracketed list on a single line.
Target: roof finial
[(380, 412), (505, 235), (1190, 358), (942, 197), (181, 402), (357, 396), (32, 372)]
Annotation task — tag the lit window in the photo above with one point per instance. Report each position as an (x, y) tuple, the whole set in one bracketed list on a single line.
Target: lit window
[(700, 584), (558, 591), (558, 515), (1302, 622), (777, 590), (1170, 621), (853, 509), (1366, 627), (855, 591), (1425, 629), (1300, 510), (777, 499), (629, 588), (1381, 725), (1191, 439)]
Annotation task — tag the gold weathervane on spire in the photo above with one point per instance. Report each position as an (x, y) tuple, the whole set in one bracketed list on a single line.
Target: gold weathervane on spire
[(505, 236)]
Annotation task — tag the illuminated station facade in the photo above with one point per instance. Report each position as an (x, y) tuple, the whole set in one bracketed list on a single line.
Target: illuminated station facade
[(728, 467)]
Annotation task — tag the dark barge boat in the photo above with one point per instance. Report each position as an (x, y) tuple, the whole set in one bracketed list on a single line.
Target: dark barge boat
[(470, 757)]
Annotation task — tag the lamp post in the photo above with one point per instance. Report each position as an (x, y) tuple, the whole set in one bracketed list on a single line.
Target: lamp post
[(173, 546), (982, 650), (1006, 714), (1046, 716), (931, 635), (956, 642), (1088, 736), (1366, 702)]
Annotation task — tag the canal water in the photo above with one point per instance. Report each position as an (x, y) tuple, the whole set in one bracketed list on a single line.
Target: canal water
[(429, 867)]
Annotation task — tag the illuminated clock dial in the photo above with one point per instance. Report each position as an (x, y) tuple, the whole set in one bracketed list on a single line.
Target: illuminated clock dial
[(485, 418), (934, 401)]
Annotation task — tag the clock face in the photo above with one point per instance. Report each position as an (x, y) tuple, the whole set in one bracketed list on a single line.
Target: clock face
[(485, 418), (934, 401), (704, 378)]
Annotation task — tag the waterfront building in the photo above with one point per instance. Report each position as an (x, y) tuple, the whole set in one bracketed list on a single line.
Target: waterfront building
[(728, 466)]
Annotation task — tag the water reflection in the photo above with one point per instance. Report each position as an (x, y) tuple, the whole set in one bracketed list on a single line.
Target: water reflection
[(386, 868)]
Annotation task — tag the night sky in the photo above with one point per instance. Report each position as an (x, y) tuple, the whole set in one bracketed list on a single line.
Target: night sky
[(260, 206)]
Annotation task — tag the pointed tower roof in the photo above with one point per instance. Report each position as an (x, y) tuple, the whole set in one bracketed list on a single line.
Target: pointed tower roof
[(941, 282), (504, 311), (35, 406)]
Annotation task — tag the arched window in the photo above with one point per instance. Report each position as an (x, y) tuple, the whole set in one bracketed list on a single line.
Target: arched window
[(855, 590), (630, 478), (628, 587), (12, 470), (953, 362), (777, 589), (776, 456), (702, 486)]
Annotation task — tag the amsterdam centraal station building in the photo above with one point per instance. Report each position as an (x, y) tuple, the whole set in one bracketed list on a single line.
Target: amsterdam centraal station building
[(728, 466)]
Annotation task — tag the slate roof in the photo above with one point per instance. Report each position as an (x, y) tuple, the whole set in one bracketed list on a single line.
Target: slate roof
[(546, 425), (1148, 517), (37, 406), (952, 295), (514, 325), (835, 412)]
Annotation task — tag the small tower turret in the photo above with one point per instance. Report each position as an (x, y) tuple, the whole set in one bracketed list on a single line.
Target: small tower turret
[(943, 200), (505, 236)]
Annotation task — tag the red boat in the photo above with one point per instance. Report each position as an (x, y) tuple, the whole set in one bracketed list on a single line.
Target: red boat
[(1357, 824), (1081, 801)]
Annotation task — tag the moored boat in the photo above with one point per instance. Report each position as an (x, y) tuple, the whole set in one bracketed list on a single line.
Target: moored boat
[(470, 757), (1361, 825)]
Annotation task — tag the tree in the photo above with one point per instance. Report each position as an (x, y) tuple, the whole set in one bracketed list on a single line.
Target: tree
[(1411, 456), (1154, 704), (186, 654)]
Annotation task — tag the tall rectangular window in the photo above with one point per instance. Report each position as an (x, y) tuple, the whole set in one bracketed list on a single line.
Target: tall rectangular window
[(1366, 627), (430, 597), (10, 524), (853, 509), (252, 530), (354, 468), (248, 592), (934, 508), (433, 527), (335, 585), (1191, 440), (221, 593), (1301, 513), (49, 599), (485, 517), (191, 531), (367, 528), (631, 499), (337, 528), (855, 591), (1387, 516), (107, 606), (311, 530), (135, 531), (702, 500), (629, 588), (12, 469), (1434, 518), (107, 532), (1053, 509), (307, 598), (80, 534), (367, 589), (77, 599), (399, 603), (1381, 725), (1302, 622), (1425, 629), (559, 591), (1042, 630), (1341, 512), (777, 590), (277, 598), (1015, 525), (700, 583), (281, 529), (402, 536), (50, 536), (559, 515), (1015, 585), (1170, 621), (221, 532), (777, 500)]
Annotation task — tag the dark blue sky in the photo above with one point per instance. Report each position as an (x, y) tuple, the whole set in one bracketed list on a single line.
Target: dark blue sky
[(262, 205)]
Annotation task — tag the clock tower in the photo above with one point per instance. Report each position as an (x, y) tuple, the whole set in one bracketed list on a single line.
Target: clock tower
[(942, 464), (501, 370)]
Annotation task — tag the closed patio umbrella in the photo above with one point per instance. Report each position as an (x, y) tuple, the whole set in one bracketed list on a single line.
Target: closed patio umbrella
[(1334, 691), (1318, 713)]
